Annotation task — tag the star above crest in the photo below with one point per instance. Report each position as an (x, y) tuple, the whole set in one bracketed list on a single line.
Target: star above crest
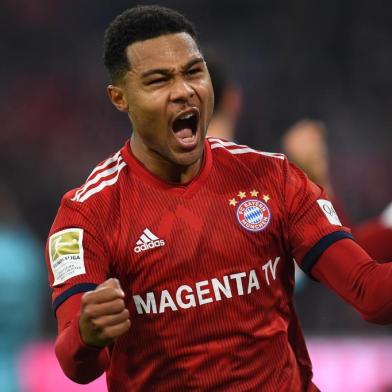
[(266, 198), (233, 202), (241, 195)]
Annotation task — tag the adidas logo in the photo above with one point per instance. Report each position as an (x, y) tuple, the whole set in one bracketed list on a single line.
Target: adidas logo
[(147, 241)]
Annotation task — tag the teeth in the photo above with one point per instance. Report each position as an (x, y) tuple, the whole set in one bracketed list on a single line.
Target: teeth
[(186, 116)]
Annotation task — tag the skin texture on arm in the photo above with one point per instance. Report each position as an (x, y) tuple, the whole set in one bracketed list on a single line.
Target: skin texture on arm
[(87, 325), (364, 283)]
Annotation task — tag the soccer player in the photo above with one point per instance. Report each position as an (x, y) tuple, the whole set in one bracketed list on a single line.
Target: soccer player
[(172, 266)]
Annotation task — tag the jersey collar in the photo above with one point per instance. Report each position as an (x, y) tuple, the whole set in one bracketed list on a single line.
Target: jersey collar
[(184, 190)]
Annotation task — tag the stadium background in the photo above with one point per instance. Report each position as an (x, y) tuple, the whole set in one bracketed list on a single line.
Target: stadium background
[(325, 60)]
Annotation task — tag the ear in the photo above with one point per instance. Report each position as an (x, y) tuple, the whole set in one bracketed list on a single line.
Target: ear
[(117, 96)]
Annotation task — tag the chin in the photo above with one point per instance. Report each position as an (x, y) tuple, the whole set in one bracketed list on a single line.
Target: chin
[(189, 158)]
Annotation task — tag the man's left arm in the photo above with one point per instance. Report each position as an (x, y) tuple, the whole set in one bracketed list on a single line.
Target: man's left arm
[(326, 250), (361, 281)]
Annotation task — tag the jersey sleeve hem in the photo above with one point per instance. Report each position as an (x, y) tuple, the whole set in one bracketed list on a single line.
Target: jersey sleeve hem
[(311, 258), (78, 288)]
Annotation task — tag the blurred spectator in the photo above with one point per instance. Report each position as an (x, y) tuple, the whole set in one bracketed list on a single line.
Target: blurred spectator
[(22, 280), (306, 145), (228, 102)]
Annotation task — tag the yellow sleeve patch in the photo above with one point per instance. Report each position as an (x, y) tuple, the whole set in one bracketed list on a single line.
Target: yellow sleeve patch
[(66, 254)]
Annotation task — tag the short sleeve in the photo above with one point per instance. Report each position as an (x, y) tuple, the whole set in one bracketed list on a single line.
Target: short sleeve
[(313, 224), (76, 256)]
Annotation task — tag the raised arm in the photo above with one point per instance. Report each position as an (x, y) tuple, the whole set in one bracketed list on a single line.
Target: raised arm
[(364, 283)]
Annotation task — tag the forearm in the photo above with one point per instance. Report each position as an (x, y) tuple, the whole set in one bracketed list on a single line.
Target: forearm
[(376, 238), (81, 363), (367, 285)]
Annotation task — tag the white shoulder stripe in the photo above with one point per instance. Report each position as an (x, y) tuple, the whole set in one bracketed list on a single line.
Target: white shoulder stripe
[(106, 163), (83, 197), (223, 143), (248, 149), (242, 149), (94, 180)]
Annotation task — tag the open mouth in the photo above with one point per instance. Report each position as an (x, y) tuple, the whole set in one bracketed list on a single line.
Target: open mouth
[(185, 127)]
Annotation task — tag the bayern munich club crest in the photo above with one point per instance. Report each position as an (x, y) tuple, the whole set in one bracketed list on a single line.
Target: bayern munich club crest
[(252, 214)]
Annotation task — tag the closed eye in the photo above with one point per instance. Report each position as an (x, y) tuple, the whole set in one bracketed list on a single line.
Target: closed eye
[(156, 81), (194, 70)]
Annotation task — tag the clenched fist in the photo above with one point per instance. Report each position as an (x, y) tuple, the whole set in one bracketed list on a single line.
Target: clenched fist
[(103, 316)]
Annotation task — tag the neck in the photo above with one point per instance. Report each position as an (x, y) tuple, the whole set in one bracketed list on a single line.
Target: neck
[(164, 169)]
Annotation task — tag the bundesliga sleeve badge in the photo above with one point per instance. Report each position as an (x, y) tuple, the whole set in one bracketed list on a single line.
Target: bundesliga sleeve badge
[(252, 213), (66, 254)]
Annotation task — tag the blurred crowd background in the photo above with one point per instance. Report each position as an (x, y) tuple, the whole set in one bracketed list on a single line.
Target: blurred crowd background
[(329, 61)]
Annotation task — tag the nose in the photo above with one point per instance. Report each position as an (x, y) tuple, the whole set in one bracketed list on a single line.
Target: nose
[(181, 91)]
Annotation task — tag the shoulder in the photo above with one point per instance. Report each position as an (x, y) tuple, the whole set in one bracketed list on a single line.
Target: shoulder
[(93, 204), (256, 159), (102, 182)]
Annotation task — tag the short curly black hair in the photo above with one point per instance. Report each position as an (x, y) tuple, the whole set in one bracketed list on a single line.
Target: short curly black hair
[(139, 23)]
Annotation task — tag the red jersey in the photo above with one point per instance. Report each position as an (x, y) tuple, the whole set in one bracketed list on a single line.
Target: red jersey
[(207, 267)]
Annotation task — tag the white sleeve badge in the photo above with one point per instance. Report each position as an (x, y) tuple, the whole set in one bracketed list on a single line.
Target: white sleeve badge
[(66, 254), (327, 207)]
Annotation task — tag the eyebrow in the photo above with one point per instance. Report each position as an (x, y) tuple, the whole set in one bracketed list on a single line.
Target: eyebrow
[(165, 71)]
